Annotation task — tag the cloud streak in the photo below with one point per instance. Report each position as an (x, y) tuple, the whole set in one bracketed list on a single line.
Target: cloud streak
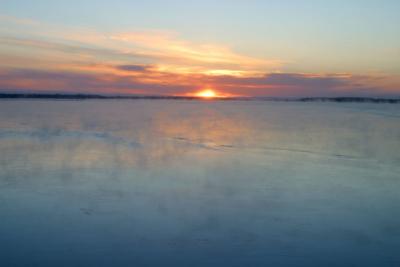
[(150, 83), (163, 48), (40, 57)]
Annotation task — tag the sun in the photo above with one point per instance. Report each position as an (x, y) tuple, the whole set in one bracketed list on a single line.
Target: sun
[(207, 93)]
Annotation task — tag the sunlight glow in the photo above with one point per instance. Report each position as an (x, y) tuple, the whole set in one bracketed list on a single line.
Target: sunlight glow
[(207, 93)]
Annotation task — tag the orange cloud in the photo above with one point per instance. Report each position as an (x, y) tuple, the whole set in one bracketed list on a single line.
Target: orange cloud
[(162, 48), (205, 57), (150, 81), (46, 57)]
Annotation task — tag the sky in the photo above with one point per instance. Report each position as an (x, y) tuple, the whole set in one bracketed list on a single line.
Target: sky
[(235, 48)]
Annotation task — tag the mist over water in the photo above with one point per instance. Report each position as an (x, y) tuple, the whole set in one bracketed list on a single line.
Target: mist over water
[(199, 183)]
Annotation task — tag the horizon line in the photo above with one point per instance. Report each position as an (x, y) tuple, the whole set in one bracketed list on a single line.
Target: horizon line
[(85, 96)]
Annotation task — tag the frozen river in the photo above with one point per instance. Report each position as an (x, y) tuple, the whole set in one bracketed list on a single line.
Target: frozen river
[(199, 183)]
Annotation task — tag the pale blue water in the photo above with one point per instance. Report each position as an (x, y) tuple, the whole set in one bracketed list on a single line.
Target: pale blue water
[(186, 183)]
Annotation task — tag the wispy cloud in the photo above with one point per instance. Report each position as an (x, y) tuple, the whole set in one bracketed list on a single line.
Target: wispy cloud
[(134, 68), (44, 57), (152, 82), (210, 56), (163, 48)]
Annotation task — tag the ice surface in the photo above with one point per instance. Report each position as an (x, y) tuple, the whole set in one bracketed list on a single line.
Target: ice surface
[(199, 183)]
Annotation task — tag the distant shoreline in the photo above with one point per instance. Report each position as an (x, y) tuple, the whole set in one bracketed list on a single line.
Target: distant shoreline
[(22, 96)]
